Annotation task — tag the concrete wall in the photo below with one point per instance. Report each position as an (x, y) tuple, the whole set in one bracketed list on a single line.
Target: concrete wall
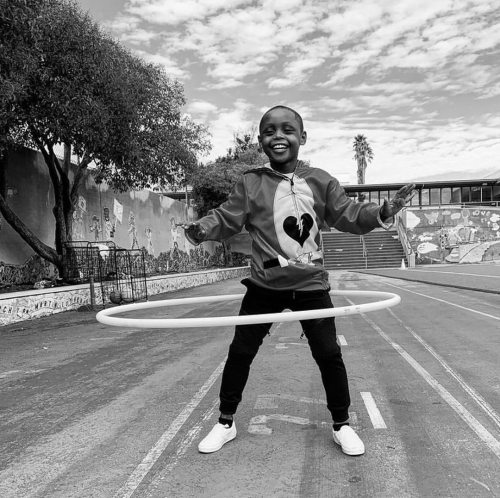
[(132, 220), (20, 306)]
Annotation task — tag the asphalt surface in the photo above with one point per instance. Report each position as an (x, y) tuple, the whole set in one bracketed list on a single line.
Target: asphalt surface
[(88, 410), (475, 277)]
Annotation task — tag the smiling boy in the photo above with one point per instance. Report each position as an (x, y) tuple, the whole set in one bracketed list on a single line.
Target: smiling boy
[(283, 205)]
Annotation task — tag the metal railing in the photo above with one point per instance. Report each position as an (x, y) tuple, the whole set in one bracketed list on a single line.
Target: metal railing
[(365, 252)]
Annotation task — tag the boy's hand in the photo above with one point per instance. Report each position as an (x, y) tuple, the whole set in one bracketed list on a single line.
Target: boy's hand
[(194, 232), (402, 197)]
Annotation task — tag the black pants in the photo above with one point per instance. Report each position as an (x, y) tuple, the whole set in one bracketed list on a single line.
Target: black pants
[(320, 333)]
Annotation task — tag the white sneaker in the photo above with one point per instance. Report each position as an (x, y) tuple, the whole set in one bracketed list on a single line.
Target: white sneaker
[(217, 438), (349, 441)]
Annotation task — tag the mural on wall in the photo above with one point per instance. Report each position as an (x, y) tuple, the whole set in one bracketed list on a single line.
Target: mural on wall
[(454, 234), (174, 233), (35, 269), (149, 236), (143, 220), (78, 219), (95, 227), (132, 231), (109, 225)]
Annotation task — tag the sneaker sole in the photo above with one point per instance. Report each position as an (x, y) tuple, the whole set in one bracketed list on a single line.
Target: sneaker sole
[(217, 448)]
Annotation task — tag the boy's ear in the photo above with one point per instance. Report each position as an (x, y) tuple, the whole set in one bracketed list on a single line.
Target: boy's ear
[(303, 137)]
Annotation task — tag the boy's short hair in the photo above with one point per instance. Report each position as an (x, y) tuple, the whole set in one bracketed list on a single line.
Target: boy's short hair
[(298, 117)]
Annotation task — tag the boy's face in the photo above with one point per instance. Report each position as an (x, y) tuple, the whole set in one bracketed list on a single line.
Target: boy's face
[(280, 137)]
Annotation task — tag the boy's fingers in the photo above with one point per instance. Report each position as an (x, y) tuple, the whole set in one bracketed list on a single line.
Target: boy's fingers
[(411, 196)]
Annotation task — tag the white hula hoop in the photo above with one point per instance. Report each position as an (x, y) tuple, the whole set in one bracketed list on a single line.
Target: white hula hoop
[(106, 316)]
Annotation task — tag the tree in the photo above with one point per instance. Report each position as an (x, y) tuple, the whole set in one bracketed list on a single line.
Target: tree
[(67, 82), (362, 154), (212, 183)]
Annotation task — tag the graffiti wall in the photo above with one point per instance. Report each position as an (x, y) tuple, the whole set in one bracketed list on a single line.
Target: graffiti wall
[(133, 220), (454, 234)]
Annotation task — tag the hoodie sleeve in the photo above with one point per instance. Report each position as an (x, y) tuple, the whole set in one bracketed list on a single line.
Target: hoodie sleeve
[(230, 217), (346, 215)]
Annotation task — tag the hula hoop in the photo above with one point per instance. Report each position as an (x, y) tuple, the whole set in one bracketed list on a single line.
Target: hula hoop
[(106, 316)]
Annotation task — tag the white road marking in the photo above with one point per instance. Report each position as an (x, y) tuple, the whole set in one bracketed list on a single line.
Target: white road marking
[(258, 423), (461, 411), (481, 484), (443, 301), (373, 411), (189, 438), (104, 338), (150, 459), (284, 345), (9, 373), (183, 446), (341, 340), (483, 404), (270, 400)]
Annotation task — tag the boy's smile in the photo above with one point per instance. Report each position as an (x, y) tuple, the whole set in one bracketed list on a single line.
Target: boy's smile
[(281, 136)]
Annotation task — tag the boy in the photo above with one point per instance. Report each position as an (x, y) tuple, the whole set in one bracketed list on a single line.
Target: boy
[(283, 205)]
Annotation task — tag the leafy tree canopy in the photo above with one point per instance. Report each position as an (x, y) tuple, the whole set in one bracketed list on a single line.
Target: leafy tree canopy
[(212, 183), (64, 81)]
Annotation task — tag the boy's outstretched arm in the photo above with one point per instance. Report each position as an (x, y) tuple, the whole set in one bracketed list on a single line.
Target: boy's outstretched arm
[(402, 197), (222, 222)]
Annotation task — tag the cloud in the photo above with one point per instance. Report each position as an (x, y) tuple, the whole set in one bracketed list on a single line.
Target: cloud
[(170, 65), (199, 108), (226, 122), (176, 12), (419, 77)]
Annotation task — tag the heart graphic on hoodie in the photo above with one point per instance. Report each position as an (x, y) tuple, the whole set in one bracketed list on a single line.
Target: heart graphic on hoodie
[(292, 229)]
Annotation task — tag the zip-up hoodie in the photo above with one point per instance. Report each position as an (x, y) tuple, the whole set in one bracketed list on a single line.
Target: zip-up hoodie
[(283, 216)]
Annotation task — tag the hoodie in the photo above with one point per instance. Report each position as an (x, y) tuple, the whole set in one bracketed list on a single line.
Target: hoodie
[(283, 215)]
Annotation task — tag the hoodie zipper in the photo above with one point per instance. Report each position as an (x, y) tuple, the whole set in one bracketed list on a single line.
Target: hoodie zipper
[(295, 204), (294, 197)]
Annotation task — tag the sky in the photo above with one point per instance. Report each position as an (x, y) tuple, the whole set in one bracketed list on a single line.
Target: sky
[(419, 78)]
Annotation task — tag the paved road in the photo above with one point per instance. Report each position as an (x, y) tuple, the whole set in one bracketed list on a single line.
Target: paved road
[(482, 277), (88, 410)]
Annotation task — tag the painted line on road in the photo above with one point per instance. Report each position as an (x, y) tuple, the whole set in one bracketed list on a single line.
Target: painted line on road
[(258, 423), (483, 434), (184, 445), (284, 345), (191, 436), (4, 375), (271, 400), (341, 340), (444, 301), (373, 411), (150, 459), (483, 404)]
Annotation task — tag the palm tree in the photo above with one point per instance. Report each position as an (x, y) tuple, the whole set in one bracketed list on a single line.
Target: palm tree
[(362, 154)]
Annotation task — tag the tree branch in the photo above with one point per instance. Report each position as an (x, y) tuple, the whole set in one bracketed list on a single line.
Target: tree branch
[(80, 171), (48, 156), (28, 236)]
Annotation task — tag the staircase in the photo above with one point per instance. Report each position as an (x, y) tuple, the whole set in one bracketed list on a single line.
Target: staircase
[(382, 249)]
